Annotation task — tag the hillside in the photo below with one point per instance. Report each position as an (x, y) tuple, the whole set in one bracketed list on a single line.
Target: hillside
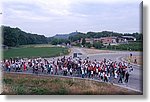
[(15, 36), (65, 36)]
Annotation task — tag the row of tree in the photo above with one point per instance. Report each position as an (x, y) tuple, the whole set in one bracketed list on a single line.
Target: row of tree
[(14, 37), (138, 36), (56, 41)]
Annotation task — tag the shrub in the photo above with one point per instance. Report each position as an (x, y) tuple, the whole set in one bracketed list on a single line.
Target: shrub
[(19, 89), (39, 91), (7, 81)]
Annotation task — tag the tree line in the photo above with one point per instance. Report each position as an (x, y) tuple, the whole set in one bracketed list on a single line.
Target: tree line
[(15, 37), (79, 36), (138, 36)]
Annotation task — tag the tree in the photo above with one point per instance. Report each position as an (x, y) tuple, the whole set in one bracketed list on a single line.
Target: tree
[(83, 41), (88, 45), (15, 36), (97, 45)]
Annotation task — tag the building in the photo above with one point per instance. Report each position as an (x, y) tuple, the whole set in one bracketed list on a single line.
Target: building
[(110, 40), (129, 38), (89, 40), (104, 40)]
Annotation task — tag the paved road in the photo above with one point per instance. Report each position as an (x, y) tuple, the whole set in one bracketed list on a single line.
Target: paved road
[(136, 77)]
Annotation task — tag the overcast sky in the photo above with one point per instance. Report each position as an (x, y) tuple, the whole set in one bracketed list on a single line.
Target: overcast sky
[(50, 17)]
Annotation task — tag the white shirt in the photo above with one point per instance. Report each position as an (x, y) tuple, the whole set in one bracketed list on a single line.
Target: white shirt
[(71, 70), (91, 72), (82, 71)]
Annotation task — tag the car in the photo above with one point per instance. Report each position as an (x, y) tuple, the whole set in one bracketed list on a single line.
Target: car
[(77, 55)]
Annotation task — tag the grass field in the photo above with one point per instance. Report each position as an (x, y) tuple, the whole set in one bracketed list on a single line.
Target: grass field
[(37, 45), (28, 52), (40, 85)]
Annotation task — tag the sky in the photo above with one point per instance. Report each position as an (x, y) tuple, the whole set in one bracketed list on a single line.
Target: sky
[(51, 17)]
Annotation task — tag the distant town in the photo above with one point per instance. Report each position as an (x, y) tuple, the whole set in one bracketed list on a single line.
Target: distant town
[(111, 40)]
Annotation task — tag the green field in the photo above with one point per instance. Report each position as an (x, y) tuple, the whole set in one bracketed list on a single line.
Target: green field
[(37, 45), (30, 52)]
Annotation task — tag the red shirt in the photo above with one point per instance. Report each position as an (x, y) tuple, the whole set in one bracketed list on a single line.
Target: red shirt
[(94, 69), (99, 69), (24, 66), (89, 68)]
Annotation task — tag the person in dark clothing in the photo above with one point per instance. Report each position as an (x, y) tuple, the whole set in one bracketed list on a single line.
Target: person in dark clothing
[(105, 78), (135, 61), (123, 74), (130, 54), (36, 69), (49, 67), (65, 73), (56, 69), (33, 69), (120, 75), (126, 77), (120, 78), (42, 67)]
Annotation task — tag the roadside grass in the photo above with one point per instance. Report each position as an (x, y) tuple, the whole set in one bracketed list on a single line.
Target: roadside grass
[(18, 84), (31, 52), (139, 59), (7, 81)]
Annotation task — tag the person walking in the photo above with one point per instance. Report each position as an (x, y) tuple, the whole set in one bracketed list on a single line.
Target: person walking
[(24, 66), (70, 71), (127, 75), (42, 67), (105, 77), (49, 68), (120, 75)]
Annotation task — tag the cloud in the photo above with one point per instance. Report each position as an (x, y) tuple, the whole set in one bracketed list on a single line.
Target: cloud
[(107, 1), (64, 16), (48, 6)]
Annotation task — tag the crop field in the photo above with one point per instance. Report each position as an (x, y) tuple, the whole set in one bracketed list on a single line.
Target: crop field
[(31, 52)]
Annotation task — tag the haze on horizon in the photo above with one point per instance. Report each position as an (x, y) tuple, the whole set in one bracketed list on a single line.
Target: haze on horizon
[(51, 17)]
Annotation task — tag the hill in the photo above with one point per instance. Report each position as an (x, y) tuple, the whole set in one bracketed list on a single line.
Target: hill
[(15, 36), (65, 36)]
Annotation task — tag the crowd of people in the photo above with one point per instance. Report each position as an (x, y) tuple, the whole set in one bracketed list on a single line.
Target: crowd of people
[(105, 70)]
